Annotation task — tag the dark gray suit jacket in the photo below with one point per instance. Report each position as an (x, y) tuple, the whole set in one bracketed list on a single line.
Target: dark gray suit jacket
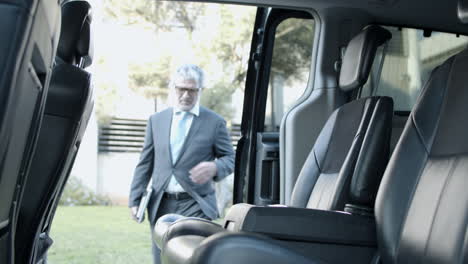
[(207, 140)]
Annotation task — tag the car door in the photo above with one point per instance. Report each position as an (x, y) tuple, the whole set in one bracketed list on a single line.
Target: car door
[(277, 77)]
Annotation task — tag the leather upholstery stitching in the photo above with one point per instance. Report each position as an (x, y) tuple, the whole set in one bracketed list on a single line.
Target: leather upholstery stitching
[(411, 197), (324, 189), (443, 103), (332, 135), (316, 161), (444, 99), (418, 132), (434, 217)]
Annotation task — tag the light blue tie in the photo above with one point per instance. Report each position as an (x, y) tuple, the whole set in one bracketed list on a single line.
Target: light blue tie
[(177, 141)]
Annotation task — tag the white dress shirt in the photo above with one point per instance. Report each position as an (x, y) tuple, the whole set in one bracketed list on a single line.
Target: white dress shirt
[(174, 185)]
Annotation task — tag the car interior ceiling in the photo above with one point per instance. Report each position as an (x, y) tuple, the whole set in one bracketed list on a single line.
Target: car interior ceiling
[(419, 214)]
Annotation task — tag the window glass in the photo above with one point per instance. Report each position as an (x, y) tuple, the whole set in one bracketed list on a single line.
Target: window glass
[(290, 68), (410, 58)]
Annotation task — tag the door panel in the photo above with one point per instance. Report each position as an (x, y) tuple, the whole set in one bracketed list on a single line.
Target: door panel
[(267, 169)]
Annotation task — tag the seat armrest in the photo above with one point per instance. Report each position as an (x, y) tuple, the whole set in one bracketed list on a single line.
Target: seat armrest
[(303, 225), (162, 225), (191, 226), (234, 248), (171, 225), (230, 248)]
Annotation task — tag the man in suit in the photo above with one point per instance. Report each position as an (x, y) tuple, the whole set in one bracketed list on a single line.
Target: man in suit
[(186, 148)]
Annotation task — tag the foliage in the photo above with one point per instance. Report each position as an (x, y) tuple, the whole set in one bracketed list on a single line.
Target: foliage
[(161, 15), (150, 79), (292, 48), (227, 47), (230, 44), (220, 39), (107, 94), (218, 98), (76, 193)]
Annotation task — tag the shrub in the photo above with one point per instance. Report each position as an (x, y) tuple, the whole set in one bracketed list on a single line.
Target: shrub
[(76, 193)]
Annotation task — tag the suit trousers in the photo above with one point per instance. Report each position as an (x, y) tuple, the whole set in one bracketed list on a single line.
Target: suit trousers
[(185, 207)]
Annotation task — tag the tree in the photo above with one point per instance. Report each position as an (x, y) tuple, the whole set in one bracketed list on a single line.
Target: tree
[(292, 49), (230, 44), (161, 15), (220, 36), (107, 93), (151, 80), (218, 98), (290, 65)]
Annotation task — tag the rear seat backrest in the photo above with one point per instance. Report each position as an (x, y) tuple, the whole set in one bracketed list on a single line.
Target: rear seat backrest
[(351, 152), (29, 33), (65, 116)]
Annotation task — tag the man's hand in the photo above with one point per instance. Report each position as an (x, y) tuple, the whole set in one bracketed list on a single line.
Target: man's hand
[(203, 172), (133, 212)]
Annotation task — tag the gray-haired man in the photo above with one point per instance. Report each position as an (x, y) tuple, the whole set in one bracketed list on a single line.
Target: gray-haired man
[(187, 147)]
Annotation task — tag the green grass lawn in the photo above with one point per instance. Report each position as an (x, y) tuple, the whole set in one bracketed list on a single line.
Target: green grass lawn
[(98, 235)]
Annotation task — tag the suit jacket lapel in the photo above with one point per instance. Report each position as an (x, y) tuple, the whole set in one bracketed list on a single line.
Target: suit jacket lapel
[(196, 122)]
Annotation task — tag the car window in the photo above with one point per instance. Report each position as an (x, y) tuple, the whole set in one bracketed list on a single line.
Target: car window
[(410, 58), (290, 68)]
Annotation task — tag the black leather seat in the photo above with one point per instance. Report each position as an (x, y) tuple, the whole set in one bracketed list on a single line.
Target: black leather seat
[(348, 159), (66, 114), (29, 36), (421, 207), (344, 168)]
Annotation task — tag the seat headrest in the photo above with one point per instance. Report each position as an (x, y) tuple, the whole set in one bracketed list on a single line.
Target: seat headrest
[(463, 11), (359, 56), (69, 90), (75, 44)]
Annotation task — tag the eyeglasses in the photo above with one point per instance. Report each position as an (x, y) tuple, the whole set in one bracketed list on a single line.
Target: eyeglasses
[(191, 91)]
